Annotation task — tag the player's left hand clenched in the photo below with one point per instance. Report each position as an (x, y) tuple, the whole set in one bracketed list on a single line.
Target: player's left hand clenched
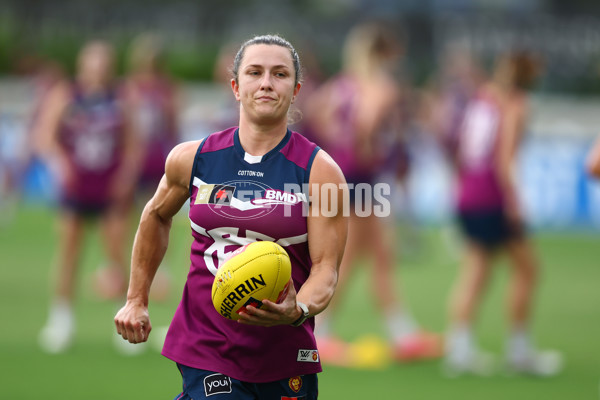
[(133, 322), (271, 314)]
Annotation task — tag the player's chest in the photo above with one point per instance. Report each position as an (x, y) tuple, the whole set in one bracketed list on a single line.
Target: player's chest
[(272, 202), (103, 120)]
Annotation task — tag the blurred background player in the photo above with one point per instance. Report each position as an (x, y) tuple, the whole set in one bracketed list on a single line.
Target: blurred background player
[(491, 219), (226, 112), (442, 108), (21, 171), (357, 117), (458, 80), (47, 74), (87, 137), (312, 78), (153, 99)]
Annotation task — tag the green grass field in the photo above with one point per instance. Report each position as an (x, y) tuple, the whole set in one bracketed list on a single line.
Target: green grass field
[(567, 318)]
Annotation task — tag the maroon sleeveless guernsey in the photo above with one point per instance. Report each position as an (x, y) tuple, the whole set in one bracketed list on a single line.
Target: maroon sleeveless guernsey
[(237, 199)]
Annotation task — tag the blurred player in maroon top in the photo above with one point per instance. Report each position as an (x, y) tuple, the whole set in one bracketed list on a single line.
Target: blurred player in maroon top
[(153, 97), (491, 218), (357, 116), (87, 138), (453, 87)]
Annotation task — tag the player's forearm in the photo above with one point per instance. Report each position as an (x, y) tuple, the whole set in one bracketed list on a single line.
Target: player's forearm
[(149, 248), (319, 288), (53, 153)]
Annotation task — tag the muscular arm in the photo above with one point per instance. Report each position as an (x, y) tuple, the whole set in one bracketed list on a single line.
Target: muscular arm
[(326, 234), (151, 241)]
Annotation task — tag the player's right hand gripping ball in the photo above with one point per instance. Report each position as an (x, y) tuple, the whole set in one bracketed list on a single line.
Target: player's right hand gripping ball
[(257, 271)]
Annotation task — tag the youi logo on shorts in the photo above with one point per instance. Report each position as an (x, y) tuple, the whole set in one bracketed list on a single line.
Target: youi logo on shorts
[(308, 356), (216, 384)]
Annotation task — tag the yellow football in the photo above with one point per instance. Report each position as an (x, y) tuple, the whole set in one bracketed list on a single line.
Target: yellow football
[(257, 271)]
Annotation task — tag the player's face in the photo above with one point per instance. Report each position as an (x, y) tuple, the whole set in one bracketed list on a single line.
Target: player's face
[(96, 63), (266, 83)]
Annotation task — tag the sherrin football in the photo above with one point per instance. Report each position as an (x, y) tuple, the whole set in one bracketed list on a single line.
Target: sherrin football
[(257, 271)]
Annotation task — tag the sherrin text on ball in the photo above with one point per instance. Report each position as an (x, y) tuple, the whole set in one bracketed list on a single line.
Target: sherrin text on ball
[(257, 271)]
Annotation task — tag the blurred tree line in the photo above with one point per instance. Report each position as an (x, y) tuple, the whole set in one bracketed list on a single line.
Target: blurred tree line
[(567, 36)]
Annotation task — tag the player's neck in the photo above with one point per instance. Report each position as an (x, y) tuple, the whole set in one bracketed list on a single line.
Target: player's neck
[(259, 139), (91, 86)]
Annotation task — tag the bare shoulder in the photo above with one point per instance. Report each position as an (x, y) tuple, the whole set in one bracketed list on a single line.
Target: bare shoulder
[(53, 107), (180, 161), (61, 89), (325, 170), (516, 108), (388, 88), (60, 95)]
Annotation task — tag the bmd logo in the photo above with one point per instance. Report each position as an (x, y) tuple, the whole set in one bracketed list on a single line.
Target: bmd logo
[(273, 196), (244, 200)]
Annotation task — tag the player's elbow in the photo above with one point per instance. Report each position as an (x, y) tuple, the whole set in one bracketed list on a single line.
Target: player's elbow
[(328, 277), (152, 215)]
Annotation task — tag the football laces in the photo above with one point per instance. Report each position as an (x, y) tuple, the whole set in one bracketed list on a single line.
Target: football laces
[(223, 278)]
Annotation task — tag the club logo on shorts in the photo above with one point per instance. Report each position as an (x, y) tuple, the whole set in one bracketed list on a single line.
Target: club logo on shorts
[(295, 383), (308, 356), (216, 384), (293, 398)]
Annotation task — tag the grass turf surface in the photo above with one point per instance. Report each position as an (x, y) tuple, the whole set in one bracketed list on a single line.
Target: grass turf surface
[(567, 318)]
